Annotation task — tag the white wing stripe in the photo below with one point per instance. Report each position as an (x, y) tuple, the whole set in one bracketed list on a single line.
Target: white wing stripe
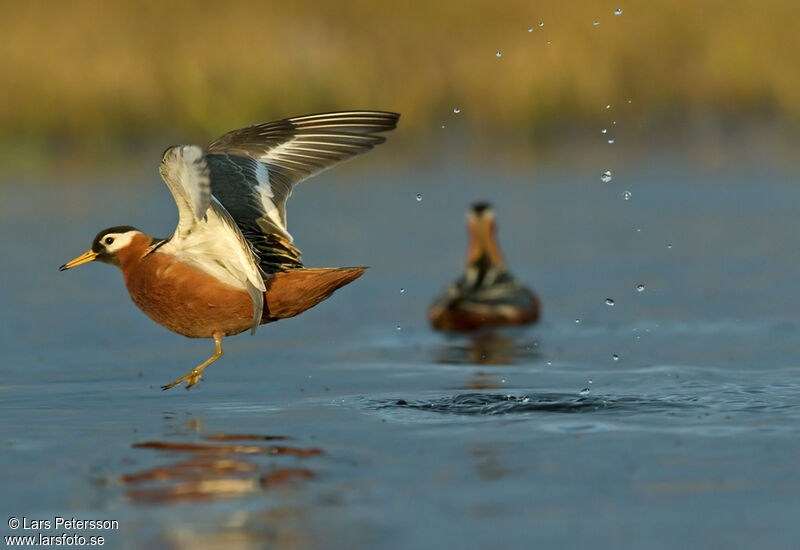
[(262, 177), (292, 150)]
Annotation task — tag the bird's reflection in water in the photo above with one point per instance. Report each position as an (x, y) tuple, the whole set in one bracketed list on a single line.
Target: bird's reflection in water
[(482, 380), (219, 466), (489, 461), (488, 348)]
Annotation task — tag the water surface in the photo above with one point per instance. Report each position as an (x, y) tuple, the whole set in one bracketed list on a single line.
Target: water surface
[(354, 425)]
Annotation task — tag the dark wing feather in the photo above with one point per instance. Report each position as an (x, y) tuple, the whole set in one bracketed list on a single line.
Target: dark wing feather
[(254, 169), (234, 181)]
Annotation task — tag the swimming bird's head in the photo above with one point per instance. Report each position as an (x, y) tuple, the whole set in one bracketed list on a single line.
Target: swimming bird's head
[(483, 247)]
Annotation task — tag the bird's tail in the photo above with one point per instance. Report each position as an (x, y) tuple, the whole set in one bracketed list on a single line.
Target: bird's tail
[(291, 292)]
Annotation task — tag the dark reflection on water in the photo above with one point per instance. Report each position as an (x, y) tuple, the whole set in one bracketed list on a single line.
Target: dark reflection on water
[(483, 381), (489, 462), (214, 471), (492, 404), (488, 348)]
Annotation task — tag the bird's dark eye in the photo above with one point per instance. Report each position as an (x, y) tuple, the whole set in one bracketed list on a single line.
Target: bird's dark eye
[(109, 240)]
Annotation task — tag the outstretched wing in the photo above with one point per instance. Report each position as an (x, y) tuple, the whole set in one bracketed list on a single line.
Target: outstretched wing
[(185, 171), (254, 169), (207, 237)]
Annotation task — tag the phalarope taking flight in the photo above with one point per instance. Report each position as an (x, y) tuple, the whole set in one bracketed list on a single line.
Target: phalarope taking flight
[(230, 265)]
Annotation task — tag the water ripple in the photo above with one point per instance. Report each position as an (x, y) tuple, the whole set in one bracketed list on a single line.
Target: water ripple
[(496, 404)]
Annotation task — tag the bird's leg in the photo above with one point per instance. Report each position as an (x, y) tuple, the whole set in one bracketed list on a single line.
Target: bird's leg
[(195, 375)]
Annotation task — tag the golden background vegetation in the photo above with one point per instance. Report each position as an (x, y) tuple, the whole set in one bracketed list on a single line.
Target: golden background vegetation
[(80, 77)]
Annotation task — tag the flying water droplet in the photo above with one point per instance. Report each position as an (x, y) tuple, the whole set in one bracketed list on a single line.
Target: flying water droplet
[(590, 381), (498, 54), (615, 357), (611, 141), (442, 125), (541, 24), (669, 246), (608, 106), (549, 363), (585, 391), (577, 321), (639, 288), (402, 290), (630, 101), (604, 130), (548, 42), (502, 380), (398, 327), (526, 399), (618, 11), (530, 29), (595, 23), (610, 301), (419, 197), (606, 176), (613, 122), (456, 110), (626, 195)]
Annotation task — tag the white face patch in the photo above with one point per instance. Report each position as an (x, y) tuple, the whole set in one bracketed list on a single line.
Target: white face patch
[(113, 242)]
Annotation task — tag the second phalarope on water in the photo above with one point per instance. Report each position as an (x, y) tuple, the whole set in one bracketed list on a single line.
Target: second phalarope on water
[(486, 294)]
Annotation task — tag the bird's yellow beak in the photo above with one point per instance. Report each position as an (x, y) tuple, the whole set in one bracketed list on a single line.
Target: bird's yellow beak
[(86, 257)]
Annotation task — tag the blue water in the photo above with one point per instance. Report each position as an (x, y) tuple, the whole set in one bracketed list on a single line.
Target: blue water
[(408, 438)]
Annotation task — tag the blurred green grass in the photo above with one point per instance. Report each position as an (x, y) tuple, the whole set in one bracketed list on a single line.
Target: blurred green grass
[(82, 79)]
